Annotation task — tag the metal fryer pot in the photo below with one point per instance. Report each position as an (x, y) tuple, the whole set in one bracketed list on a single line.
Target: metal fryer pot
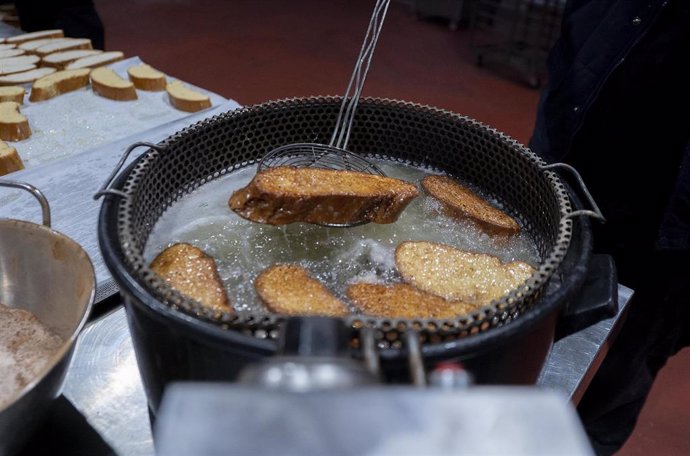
[(51, 276), (176, 338)]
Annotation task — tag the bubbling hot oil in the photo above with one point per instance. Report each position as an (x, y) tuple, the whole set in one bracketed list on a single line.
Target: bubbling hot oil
[(336, 256)]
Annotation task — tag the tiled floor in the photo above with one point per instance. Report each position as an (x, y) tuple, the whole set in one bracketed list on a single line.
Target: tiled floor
[(258, 50)]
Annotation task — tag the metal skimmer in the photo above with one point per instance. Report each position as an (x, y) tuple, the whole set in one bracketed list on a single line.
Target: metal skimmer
[(335, 155)]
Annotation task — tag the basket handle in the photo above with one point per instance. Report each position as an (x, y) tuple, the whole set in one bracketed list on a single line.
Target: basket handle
[(45, 207), (595, 212), (105, 190)]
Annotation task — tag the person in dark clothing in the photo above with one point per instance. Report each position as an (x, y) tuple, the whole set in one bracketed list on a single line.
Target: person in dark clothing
[(617, 107), (77, 18)]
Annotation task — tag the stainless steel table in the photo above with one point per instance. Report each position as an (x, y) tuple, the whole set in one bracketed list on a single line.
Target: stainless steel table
[(104, 384)]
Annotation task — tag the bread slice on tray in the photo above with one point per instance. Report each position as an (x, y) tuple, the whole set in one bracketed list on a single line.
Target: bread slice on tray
[(457, 275), (58, 83), (12, 93), (72, 43), (9, 159), (18, 39), (5, 46), (13, 125), (97, 60), (403, 301), (18, 68), (186, 99), (60, 60), (109, 84), (11, 53), (190, 271), (282, 195), (290, 290), (20, 60), (461, 202), (145, 77), (25, 77), (31, 46)]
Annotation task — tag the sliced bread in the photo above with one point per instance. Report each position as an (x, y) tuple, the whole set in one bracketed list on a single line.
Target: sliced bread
[(58, 83), (11, 53), (10, 161), (31, 46), (12, 93), (13, 125), (18, 39), (5, 46), (289, 290), (25, 77), (461, 202), (20, 60), (190, 271), (282, 195), (19, 68), (457, 275), (97, 60), (401, 300), (68, 45), (60, 60), (186, 99), (146, 77), (108, 84)]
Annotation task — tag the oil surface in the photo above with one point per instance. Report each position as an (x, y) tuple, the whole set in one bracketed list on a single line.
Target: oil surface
[(336, 256)]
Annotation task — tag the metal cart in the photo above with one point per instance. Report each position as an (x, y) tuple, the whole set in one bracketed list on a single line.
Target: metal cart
[(515, 35)]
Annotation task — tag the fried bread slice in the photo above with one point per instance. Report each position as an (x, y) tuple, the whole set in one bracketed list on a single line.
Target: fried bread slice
[(454, 274), (186, 99), (9, 159), (108, 84), (193, 273), (59, 83), (12, 93), (282, 195), (289, 290), (461, 202), (145, 77), (13, 125), (402, 300)]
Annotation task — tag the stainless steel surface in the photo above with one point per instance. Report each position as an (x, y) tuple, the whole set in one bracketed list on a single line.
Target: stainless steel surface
[(49, 275), (70, 184), (104, 382), (214, 419)]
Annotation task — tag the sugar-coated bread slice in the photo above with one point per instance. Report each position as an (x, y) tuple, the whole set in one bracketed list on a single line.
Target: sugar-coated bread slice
[(285, 194), (145, 77), (289, 290), (18, 39), (190, 271), (401, 300), (13, 125), (20, 60), (60, 60), (19, 68), (58, 83), (70, 44), (186, 99), (10, 161), (11, 53), (31, 46), (95, 61), (461, 202), (5, 46), (12, 93), (25, 77), (108, 84), (457, 275)]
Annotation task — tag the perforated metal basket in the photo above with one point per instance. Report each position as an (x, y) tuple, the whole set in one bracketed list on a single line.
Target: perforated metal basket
[(383, 129)]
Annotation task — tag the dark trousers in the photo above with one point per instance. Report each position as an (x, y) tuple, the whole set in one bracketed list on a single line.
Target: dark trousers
[(78, 18)]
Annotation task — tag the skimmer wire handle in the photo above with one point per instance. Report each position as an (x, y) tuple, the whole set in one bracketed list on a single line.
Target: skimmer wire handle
[(595, 213), (105, 190), (45, 207), (343, 125)]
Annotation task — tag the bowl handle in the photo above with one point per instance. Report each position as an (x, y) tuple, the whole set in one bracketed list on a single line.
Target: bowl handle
[(45, 207), (105, 190)]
